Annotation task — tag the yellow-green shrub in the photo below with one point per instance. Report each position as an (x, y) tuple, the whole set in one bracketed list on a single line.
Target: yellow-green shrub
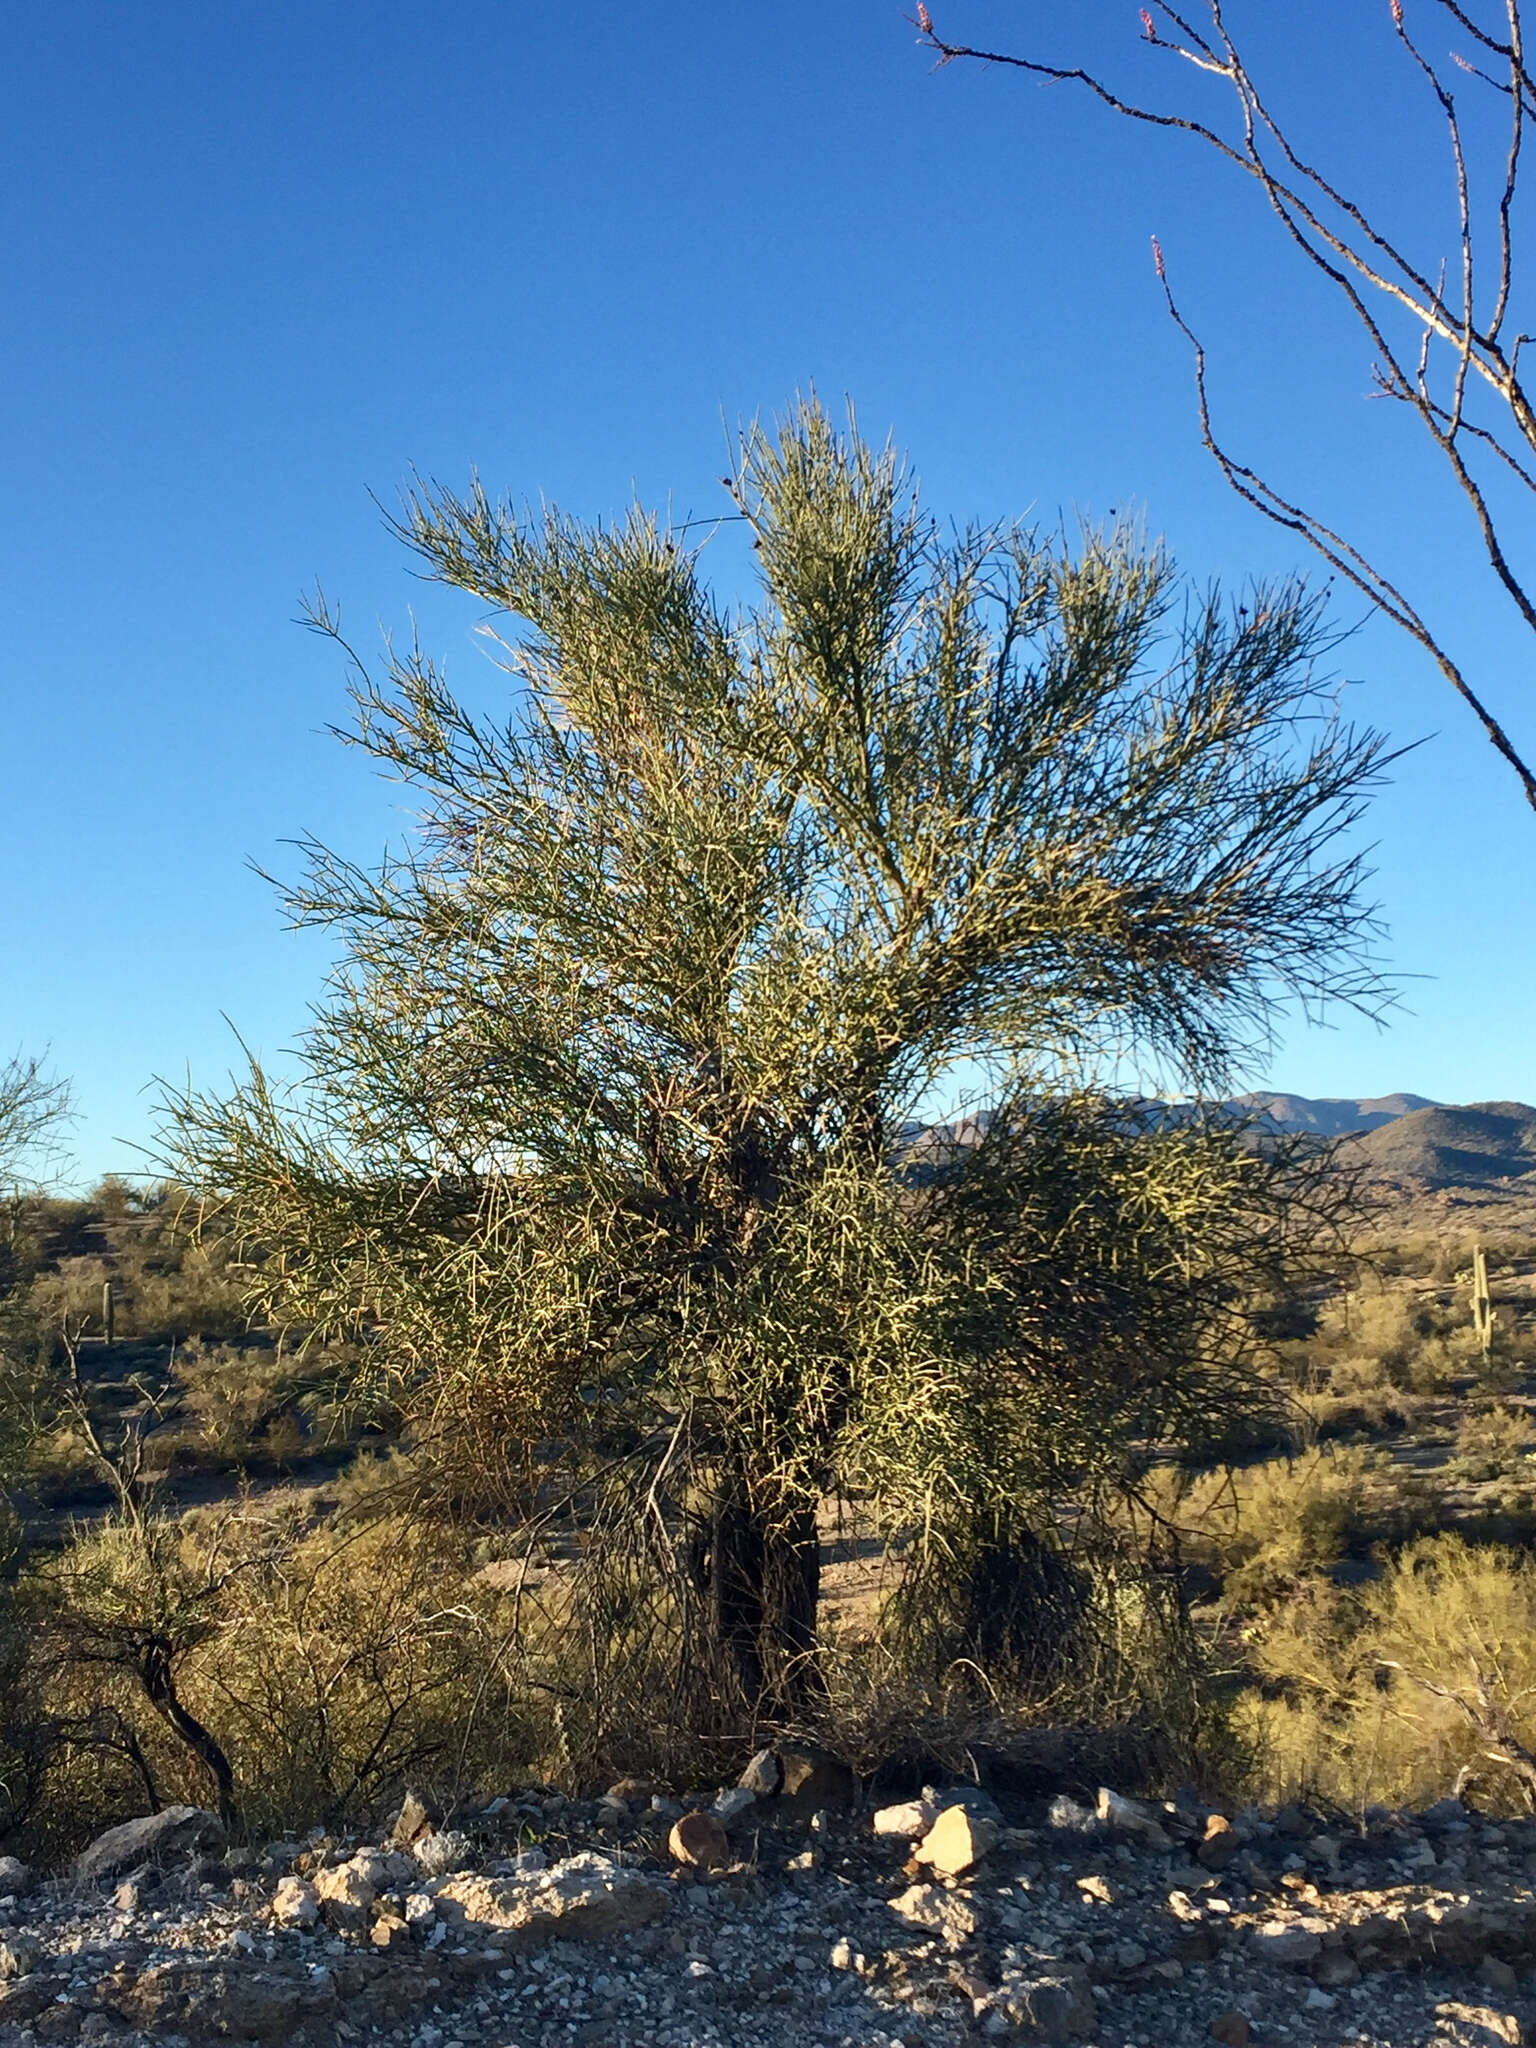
[(330, 1664), (1269, 1525), (1382, 1693)]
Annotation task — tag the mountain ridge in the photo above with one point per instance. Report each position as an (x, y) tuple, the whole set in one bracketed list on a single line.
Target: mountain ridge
[(1331, 1116), (1402, 1137)]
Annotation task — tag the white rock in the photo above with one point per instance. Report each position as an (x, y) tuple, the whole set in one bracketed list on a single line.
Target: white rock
[(763, 1775), (420, 1911), (733, 1804), (1131, 1817), (346, 1894), (173, 1831), (913, 1817), (441, 1851), (1073, 1819), (956, 1842), (584, 1898), (931, 1907)]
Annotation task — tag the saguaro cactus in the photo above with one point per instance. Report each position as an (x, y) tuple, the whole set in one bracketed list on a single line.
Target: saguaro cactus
[(108, 1312), (1482, 1306)]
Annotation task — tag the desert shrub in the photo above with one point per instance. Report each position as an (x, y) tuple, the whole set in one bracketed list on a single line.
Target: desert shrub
[(1291, 1518), (1386, 1692), (1271, 1527), (1415, 1257), (72, 1290), (1510, 1357), (1377, 1337), (188, 1292), (353, 1659), (234, 1396), (324, 1664), (1495, 1443)]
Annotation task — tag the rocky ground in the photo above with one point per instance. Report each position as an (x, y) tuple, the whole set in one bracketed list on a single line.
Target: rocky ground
[(789, 1914)]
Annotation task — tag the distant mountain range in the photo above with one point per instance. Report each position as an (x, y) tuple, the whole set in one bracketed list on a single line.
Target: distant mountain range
[(1409, 1138), (1393, 1137), (1448, 1147), (1333, 1116)]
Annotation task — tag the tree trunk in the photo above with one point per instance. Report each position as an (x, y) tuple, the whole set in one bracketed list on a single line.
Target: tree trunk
[(757, 1568), (159, 1684)]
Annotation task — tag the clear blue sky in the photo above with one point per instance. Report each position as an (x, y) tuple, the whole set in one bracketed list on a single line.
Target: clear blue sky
[(260, 261)]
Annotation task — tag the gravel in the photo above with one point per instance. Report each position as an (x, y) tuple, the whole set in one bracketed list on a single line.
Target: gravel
[(1133, 1927)]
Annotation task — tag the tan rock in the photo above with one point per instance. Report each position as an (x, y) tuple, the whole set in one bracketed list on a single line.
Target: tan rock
[(956, 1842), (938, 1911), (585, 1898), (346, 1894), (295, 1903), (417, 1817), (1482, 2024), (700, 1840), (1232, 2029), (912, 1818)]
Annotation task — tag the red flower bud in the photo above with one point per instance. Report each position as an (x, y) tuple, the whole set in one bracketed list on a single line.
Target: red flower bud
[(1397, 12), (1157, 258), (1149, 25), (924, 19)]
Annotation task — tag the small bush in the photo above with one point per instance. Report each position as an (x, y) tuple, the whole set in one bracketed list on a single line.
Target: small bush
[(1495, 1443), (1270, 1528), (1384, 1693), (329, 1664)]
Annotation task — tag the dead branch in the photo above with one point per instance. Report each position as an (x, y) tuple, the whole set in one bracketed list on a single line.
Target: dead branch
[(1460, 311), (1496, 1740)]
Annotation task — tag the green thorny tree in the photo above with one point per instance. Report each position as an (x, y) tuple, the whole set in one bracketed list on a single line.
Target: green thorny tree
[(599, 1136)]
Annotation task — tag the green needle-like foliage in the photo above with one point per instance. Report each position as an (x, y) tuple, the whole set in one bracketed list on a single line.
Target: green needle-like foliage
[(599, 1132)]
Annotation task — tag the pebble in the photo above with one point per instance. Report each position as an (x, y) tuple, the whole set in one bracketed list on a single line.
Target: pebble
[(801, 1940)]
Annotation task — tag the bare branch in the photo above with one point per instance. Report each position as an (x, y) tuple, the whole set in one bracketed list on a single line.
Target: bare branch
[(1378, 279)]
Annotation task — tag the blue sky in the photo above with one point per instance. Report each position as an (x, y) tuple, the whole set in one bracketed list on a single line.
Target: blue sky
[(261, 262)]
